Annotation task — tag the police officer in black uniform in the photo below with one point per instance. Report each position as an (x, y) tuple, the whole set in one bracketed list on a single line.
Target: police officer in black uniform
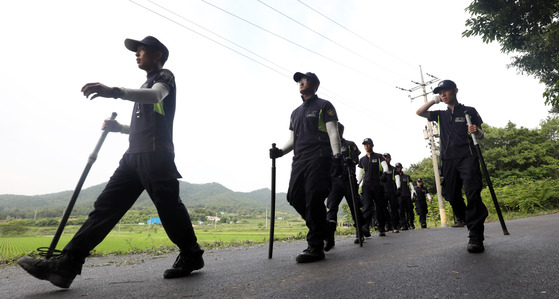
[(460, 165), (404, 197), (342, 188), (316, 145), (148, 164), (372, 165), (420, 199), (389, 184)]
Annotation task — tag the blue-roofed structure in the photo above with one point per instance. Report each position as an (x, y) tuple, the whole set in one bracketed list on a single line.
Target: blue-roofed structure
[(154, 220)]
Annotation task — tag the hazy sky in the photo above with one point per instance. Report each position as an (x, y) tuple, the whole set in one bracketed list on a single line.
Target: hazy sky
[(234, 62)]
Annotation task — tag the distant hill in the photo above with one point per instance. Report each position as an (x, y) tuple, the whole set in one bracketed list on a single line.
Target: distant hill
[(211, 196)]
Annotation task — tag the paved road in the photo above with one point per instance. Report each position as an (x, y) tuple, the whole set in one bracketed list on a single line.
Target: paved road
[(427, 263)]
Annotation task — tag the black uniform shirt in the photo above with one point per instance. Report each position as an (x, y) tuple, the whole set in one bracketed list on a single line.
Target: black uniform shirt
[(308, 123), (350, 150), (421, 193), (456, 142), (373, 169), (405, 185), (390, 183), (151, 128)]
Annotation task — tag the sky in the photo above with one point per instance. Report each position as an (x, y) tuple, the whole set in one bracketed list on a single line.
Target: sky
[(233, 62)]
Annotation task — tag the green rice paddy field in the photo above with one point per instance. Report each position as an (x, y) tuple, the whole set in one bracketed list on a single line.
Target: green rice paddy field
[(142, 238)]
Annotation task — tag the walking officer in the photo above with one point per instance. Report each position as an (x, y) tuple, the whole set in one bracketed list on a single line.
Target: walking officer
[(148, 165), (374, 203), (404, 198), (389, 184), (315, 143), (460, 165), (342, 188), (420, 198)]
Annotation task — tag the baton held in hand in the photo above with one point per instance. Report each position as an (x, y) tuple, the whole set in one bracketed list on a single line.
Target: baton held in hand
[(487, 178), (51, 250)]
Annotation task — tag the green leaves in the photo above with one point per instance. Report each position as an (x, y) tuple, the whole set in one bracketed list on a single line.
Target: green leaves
[(512, 153), (529, 29)]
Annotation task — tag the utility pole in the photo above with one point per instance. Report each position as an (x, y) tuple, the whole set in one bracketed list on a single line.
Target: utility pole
[(431, 134)]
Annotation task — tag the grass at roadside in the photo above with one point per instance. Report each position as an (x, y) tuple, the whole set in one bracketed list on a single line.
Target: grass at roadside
[(126, 239)]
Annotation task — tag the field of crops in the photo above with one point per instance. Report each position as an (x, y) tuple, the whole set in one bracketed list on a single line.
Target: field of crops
[(135, 238)]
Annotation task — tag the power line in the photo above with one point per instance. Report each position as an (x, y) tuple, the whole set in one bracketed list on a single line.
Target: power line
[(342, 100), (204, 36), (294, 43), (253, 53), (329, 39), (359, 36), (150, 10)]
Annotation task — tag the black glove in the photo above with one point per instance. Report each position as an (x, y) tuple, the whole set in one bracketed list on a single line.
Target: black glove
[(275, 152), (349, 162), (398, 192), (337, 165), (384, 177)]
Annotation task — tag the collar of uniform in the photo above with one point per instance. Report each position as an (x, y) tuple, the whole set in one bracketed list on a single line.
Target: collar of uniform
[(152, 73), (459, 106), (314, 97)]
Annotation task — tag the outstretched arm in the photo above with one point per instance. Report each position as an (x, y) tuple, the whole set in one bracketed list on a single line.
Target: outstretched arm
[(152, 95)]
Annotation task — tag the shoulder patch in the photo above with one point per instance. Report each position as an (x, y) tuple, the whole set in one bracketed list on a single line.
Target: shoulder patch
[(331, 112)]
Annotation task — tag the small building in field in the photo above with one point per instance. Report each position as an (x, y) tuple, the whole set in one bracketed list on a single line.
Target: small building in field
[(154, 220)]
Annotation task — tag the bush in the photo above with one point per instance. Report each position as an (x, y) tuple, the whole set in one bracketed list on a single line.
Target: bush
[(13, 228), (525, 196)]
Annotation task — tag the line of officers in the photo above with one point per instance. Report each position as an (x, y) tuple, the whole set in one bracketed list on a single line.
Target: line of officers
[(387, 193), (324, 166)]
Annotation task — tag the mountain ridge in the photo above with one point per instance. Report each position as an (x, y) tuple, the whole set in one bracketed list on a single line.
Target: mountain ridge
[(209, 195)]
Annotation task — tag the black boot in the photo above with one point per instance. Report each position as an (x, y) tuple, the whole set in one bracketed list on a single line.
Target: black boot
[(311, 254), (475, 245), (330, 238), (185, 264), (458, 223), (365, 232), (60, 270)]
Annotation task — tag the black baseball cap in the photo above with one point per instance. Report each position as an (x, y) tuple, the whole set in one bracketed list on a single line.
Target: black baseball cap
[(387, 155), (445, 84), (419, 180), (297, 77), (149, 41), (398, 164), (368, 141)]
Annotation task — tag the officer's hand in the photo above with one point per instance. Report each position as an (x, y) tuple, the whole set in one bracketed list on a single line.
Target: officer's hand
[(472, 129), (384, 177), (111, 125), (349, 162), (97, 90), (275, 152), (437, 99), (337, 165)]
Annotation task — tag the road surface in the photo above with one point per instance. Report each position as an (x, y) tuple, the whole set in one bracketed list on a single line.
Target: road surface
[(423, 263)]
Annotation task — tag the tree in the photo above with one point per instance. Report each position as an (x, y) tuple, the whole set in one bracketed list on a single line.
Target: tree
[(13, 228), (513, 153), (529, 29)]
